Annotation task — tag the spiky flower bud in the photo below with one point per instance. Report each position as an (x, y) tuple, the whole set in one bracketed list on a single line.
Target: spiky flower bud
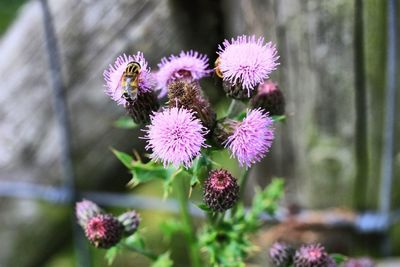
[(361, 262), (85, 210), (183, 93), (281, 254), (224, 128), (331, 262), (313, 255), (141, 108), (104, 231), (130, 221), (269, 98), (236, 91), (221, 190)]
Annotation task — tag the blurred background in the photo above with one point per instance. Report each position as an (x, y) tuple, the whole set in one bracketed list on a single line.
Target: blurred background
[(338, 149)]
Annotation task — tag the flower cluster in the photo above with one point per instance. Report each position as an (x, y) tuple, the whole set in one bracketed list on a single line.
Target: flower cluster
[(177, 133), (104, 230), (181, 131), (312, 255)]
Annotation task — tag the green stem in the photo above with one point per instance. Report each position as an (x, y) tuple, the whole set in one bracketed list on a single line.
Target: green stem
[(242, 186), (144, 252), (187, 220), (231, 108), (242, 182)]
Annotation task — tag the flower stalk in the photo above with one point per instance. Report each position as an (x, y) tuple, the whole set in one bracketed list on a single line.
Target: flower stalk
[(189, 229)]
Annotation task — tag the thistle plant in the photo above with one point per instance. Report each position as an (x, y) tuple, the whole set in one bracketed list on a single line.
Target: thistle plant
[(182, 133)]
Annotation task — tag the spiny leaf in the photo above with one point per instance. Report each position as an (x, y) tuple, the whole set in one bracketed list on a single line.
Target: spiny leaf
[(125, 158), (145, 172)]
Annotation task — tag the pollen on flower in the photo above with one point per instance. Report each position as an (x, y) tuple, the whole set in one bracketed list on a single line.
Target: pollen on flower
[(251, 138), (175, 136), (247, 61), (113, 74), (189, 65)]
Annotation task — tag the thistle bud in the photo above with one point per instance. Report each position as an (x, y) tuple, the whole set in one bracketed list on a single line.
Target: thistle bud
[(141, 108), (130, 221), (182, 93), (313, 255), (281, 254), (269, 98), (361, 262), (85, 210), (104, 231), (222, 130), (221, 190), (237, 91)]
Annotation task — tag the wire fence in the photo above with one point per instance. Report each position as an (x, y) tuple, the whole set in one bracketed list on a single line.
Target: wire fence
[(67, 194)]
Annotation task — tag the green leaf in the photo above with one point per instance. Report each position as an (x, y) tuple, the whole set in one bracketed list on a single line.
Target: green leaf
[(135, 241), (241, 115), (126, 159), (338, 258), (145, 172), (125, 122), (171, 226), (163, 260), (278, 118), (204, 207), (194, 180), (111, 254), (264, 201)]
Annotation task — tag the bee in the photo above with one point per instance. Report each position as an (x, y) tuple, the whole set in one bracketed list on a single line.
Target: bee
[(130, 81), (217, 69)]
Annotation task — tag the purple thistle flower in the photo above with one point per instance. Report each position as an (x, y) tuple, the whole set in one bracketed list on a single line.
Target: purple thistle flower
[(189, 65), (85, 210), (247, 60), (221, 190), (175, 136), (104, 231), (281, 254), (251, 138), (313, 255), (113, 74)]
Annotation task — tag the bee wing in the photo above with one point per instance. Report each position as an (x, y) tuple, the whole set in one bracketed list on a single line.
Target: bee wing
[(119, 85)]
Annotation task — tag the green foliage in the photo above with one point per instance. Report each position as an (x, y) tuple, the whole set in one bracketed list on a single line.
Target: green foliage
[(264, 201), (125, 123), (111, 254), (171, 227), (163, 260), (227, 239), (279, 118), (338, 258), (8, 11), (146, 172)]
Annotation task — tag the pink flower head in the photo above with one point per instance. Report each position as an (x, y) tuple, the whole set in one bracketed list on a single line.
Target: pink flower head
[(113, 75), (252, 138), (267, 87), (191, 65), (175, 136), (247, 61)]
